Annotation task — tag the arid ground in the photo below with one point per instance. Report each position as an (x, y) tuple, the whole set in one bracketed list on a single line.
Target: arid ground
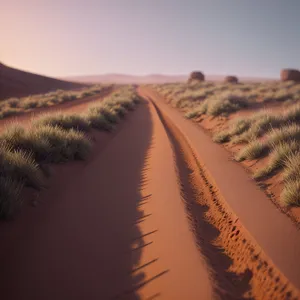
[(157, 210)]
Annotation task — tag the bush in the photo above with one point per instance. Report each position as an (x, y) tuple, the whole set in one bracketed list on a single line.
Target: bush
[(47, 143), (52, 138), (64, 121), (226, 105), (20, 166), (197, 112)]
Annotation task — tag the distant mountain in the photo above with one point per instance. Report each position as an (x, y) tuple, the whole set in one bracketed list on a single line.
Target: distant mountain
[(128, 79), (152, 78), (17, 83)]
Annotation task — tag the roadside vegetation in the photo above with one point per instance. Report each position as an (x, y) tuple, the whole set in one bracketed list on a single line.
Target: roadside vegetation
[(272, 135), (222, 99), (13, 106), (53, 138)]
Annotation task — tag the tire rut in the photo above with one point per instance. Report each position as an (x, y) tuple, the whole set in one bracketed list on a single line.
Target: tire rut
[(237, 266)]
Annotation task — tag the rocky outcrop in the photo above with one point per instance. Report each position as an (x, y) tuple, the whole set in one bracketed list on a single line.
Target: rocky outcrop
[(290, 74), (196, 76), (231, 79)]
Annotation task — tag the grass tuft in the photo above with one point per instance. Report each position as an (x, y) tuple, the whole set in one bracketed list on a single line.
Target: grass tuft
[(290, 195), (226, 104), (221, 137), (20, 166), (55, 138), (64, 121), (280, 152), (253, 150)]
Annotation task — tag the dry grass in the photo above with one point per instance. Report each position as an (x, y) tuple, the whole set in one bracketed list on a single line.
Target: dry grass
[(14, 106), (276, 134), (226, 103), (64, 121), (279, 153), (253, 150), (53, 138)]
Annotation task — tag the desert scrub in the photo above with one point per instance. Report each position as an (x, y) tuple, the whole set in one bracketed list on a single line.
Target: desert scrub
[(264, 121), (285, 134), (64, 121), (251, 92), (20, 166), (17, 170), (278, 158), (237, 127), (292, 166), (253, 150), (53, 138), (197, 111), (290, 195), (14, 106), (221, 137), (258, 125), (226, 104), (46, 143)]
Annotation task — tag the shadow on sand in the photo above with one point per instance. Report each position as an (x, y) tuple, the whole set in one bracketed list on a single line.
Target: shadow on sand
[(226, 284), (84, 241)]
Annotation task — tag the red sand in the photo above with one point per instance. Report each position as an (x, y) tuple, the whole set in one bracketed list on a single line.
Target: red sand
[(151, 215), (269, 227), (106, 232)]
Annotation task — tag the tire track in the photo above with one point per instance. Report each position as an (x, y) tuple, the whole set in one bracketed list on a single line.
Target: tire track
[(238, 267)]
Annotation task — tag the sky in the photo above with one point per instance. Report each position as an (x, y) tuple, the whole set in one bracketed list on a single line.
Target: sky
[(87, 37)]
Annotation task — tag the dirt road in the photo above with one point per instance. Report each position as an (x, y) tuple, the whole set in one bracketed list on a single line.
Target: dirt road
[(131, 223)]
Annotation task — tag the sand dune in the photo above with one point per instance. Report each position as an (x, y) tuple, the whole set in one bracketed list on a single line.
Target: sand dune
[(17, 83)]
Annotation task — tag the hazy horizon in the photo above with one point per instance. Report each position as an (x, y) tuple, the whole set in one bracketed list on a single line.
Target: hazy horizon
[(79, 38)]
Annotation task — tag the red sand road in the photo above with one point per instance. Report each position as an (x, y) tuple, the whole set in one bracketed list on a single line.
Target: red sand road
[(116, 229), (272, 230), (119, 226)]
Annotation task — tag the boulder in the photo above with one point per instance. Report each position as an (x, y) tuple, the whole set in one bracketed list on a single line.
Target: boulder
[(290, 74), (197, 76), (231, 79)]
